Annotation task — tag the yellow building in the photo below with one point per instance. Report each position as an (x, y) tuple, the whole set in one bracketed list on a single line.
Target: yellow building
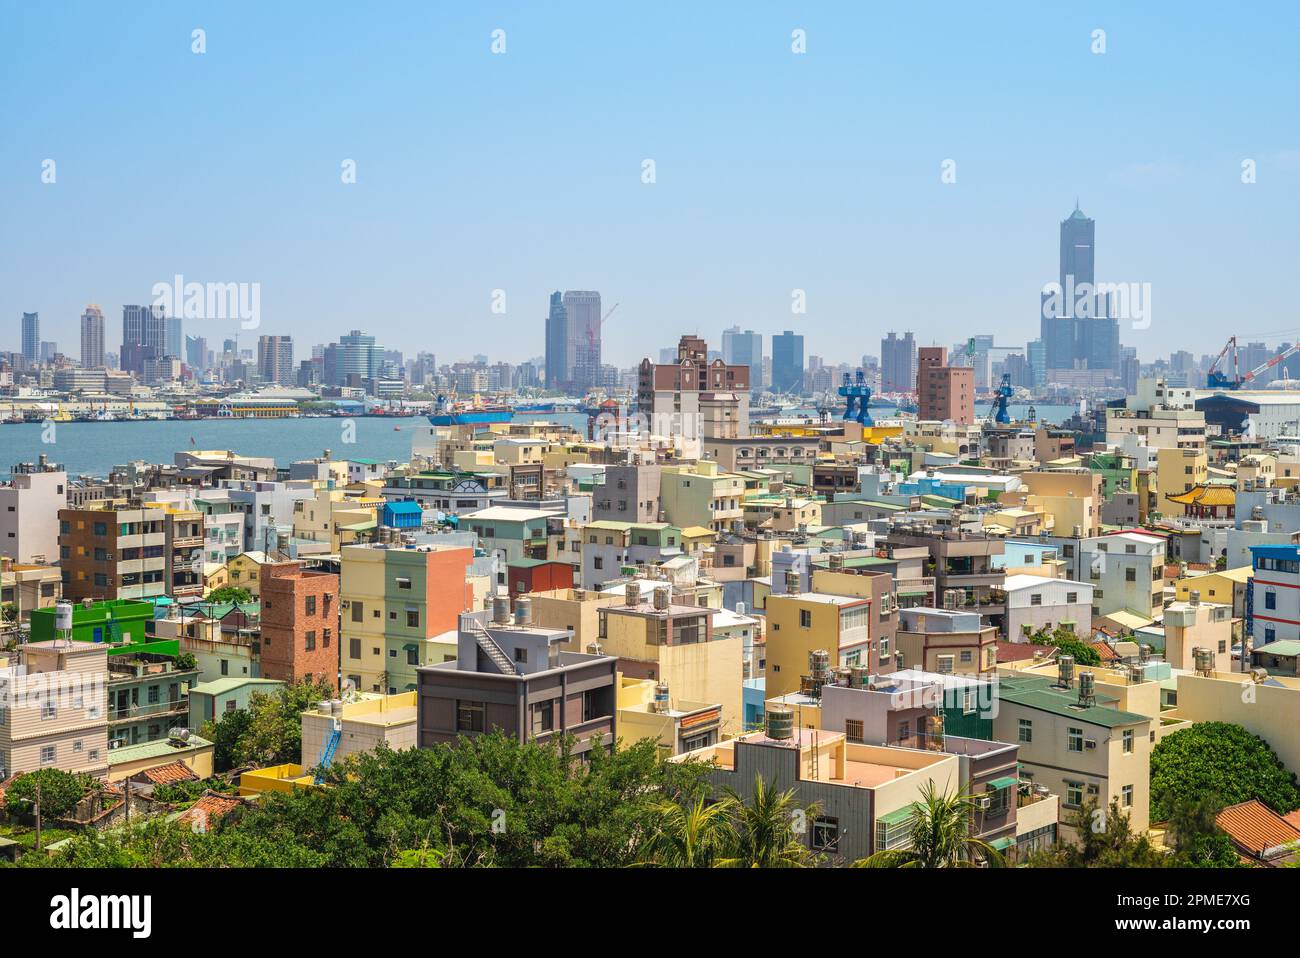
[(244, 571), (337, 516), (363, 724), (801, 623), (1177, 472), (647, 709), (675, 644)]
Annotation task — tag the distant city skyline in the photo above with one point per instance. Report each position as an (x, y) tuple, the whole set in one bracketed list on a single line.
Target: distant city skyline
[(775, 174)]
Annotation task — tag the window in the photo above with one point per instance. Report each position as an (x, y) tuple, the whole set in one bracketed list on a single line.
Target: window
[(309, 640), (403, 583), (49, 711), (412, 619), (853, 730), (966, 656), (153, 695), (1026, 730), (1074, 739), (1074, 794), (48, 754), (358, 611), (1036, 599), (1270, 599), (1128, 740), (469, 716), (543, 717), (412, 655), (1127, 792), (1130, 575), (826, 835), (1071, 597), (945, 664), (311, 605), (591, 706), (354, 648), (805, 619), (521, 655)]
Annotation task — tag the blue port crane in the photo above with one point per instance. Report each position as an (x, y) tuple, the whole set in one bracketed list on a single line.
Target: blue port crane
[(856, 391), (1001, 396)]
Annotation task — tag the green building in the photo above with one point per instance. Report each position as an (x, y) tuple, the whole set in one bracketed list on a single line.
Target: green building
[(111, 620)]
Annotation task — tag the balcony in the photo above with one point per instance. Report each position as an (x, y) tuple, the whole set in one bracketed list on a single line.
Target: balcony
[(177, 706)]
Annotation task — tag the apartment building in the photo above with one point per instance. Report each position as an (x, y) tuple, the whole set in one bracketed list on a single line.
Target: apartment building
[(29, 507), (299, 624), (608, 548), (653, 637), (399, 604), (943, 392), (1036, 603), (112, 550), (183, 538), (649, 709), (947, 641), (364, 723), (148, 693), (1159, 416), (702, 495), (28, 587), (865, 793), (1126, 571), (1073, 741), (627, 493), (800, 623), (52, 709), (512, 675)]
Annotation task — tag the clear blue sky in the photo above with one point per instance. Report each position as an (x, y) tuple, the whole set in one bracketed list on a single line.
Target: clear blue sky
[(522, 171)]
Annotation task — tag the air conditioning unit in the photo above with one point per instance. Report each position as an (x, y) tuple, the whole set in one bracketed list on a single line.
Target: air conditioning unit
[(983, 803), (345, 604), (1090, 743)]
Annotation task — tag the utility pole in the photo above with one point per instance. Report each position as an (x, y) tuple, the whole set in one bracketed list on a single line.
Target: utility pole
[(38, 815)]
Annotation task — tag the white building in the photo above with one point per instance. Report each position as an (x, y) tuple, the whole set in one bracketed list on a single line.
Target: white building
[(1041, 604), (29, 512)]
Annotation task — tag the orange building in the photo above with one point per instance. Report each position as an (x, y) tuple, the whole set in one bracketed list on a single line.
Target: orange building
[(943, 392)]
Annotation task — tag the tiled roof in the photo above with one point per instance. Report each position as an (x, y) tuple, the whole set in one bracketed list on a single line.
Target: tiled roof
[(1105, 651), (170, 774), (1257, 828), (209, 808)]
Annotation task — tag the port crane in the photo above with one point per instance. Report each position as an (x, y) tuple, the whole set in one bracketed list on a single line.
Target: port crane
[(1217, 379)]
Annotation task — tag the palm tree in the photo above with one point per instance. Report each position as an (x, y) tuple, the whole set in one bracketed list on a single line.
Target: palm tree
[(764, 829), (692, 836), (941, 837)]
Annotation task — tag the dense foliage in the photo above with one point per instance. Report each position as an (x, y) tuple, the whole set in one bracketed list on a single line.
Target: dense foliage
[(229, 593), (269, 731), (488, 801), (60, 792), (1219, 761)]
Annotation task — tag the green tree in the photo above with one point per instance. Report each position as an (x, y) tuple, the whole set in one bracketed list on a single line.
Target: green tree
[(60, 792), (766, 829), (694, 835), (1195, 836), (941, 836), (225, 734), (1219, 760), (1106, 840), (229, 593)]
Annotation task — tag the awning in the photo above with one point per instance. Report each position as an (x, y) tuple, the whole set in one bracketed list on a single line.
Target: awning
[(1002, 844), (1006, 781), (897, 817)]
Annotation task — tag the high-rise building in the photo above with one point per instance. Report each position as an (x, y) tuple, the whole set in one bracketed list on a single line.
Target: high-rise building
[(582, 309), (174, 337), (31, 337), (558, 370), (943, 392), (743, 349), (787, 363), (275, 359), (1079, 330), (92, 337), (144, 336), (898, 363), (196, 352), (354, 358)]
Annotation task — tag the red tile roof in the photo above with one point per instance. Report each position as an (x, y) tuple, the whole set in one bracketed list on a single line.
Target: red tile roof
[(1256, 828), (1105, 651), (1019, 651), (170, 774), (211, 807)]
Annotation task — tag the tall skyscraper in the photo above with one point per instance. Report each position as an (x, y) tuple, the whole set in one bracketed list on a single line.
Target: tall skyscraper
[(174, 337), (196, 352), (582, 309), (787, 363), (743, 349), (92, 338), (144, 336), (557, 344), (275, 360), (898, 363), (31, 337), (1078, 328), (355, 357)]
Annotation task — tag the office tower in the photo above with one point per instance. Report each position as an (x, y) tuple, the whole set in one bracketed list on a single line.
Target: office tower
[(354, 358), (174, 337), (31, 337), (196, 352), (1036, 355), (898, 363), (557, 344), (943, 392), (144, 336), (742, 348), (1078, 329), (49, 349), (787, 363), (582, 309), (92, 337), (275, 359)]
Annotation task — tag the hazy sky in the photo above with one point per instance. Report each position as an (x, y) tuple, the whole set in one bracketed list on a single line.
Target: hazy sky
[(522, 171)]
